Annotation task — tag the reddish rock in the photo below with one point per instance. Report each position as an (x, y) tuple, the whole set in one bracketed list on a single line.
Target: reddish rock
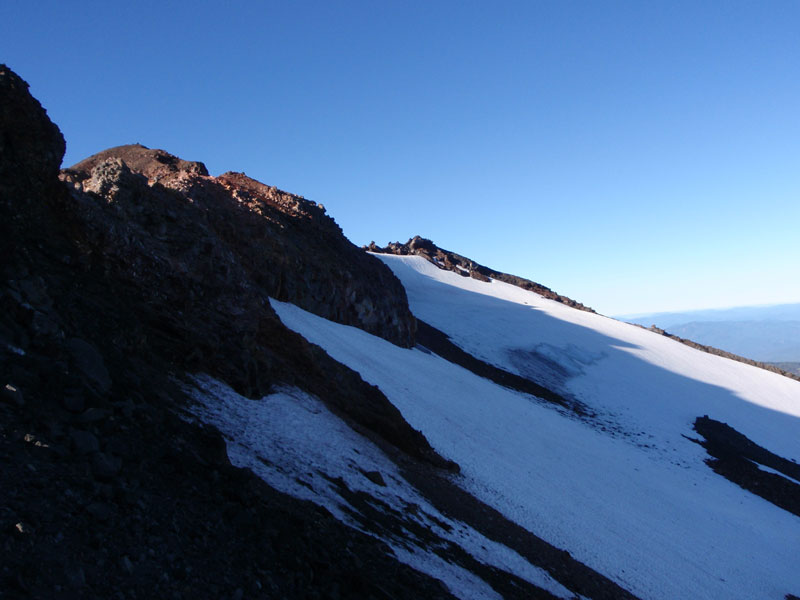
[(288, 246)]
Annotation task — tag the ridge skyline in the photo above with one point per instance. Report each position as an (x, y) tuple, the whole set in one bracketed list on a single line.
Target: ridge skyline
[(637, 157)]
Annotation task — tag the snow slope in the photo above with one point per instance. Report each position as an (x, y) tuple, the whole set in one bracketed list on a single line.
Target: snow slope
[(625, 492), (293, 442)]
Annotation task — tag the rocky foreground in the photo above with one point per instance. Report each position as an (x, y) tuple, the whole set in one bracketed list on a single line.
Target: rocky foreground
[(139, 317), (121, 278), (119, 275)]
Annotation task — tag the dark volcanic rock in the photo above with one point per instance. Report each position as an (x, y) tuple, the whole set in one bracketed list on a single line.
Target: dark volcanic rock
[(289, 247), (32, 146), (84, 442), (189, 262), (11, 393), (444, 259), (89, 362), (737, 458), (133, 270), (143, 257)]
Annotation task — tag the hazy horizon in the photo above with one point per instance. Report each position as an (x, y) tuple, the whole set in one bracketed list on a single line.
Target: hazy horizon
[(716, 309)]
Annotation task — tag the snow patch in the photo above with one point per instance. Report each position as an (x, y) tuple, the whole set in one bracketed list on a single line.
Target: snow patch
[(645, 511), (293, 442)]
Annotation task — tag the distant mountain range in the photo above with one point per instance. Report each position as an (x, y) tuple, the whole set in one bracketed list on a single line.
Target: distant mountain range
[(763, 333)]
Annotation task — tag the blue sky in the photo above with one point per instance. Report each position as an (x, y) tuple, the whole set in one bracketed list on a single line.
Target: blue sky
[(637, 156)]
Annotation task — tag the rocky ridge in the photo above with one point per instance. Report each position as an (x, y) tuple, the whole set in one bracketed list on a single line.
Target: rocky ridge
[(121, 278), (450, 261), (294, 251), (118, 279)]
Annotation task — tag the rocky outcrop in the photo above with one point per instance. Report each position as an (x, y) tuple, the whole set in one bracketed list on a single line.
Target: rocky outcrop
[(289, 247), (134, 269), (740, 460), (169, 269), (450, 261), (32, 146)]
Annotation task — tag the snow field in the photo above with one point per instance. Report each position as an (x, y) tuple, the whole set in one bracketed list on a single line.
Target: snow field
[(635, 502), (622, 368), (290, 439)]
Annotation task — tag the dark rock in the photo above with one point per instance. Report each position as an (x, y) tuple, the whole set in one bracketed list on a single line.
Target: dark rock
[(127, 565), (73, 400), (105, 466), (34, 291), (93, 415), (84, 442), (105, 490), (375, 477), (90, 364), (99, 510), (737, 458), (119, 447), (76, 578), (32, 147), (293, 250)]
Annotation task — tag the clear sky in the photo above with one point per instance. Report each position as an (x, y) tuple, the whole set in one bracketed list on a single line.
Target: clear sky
[(637, 156)]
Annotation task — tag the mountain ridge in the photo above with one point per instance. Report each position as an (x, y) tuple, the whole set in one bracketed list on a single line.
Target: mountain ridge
[(445, 259), (126, 274), (209, 392), (107, 294)]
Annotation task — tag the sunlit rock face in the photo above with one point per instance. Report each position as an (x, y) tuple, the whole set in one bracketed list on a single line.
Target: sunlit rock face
[(288, 245)]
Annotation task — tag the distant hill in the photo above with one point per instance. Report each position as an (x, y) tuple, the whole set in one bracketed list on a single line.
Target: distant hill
[(764, 333)]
